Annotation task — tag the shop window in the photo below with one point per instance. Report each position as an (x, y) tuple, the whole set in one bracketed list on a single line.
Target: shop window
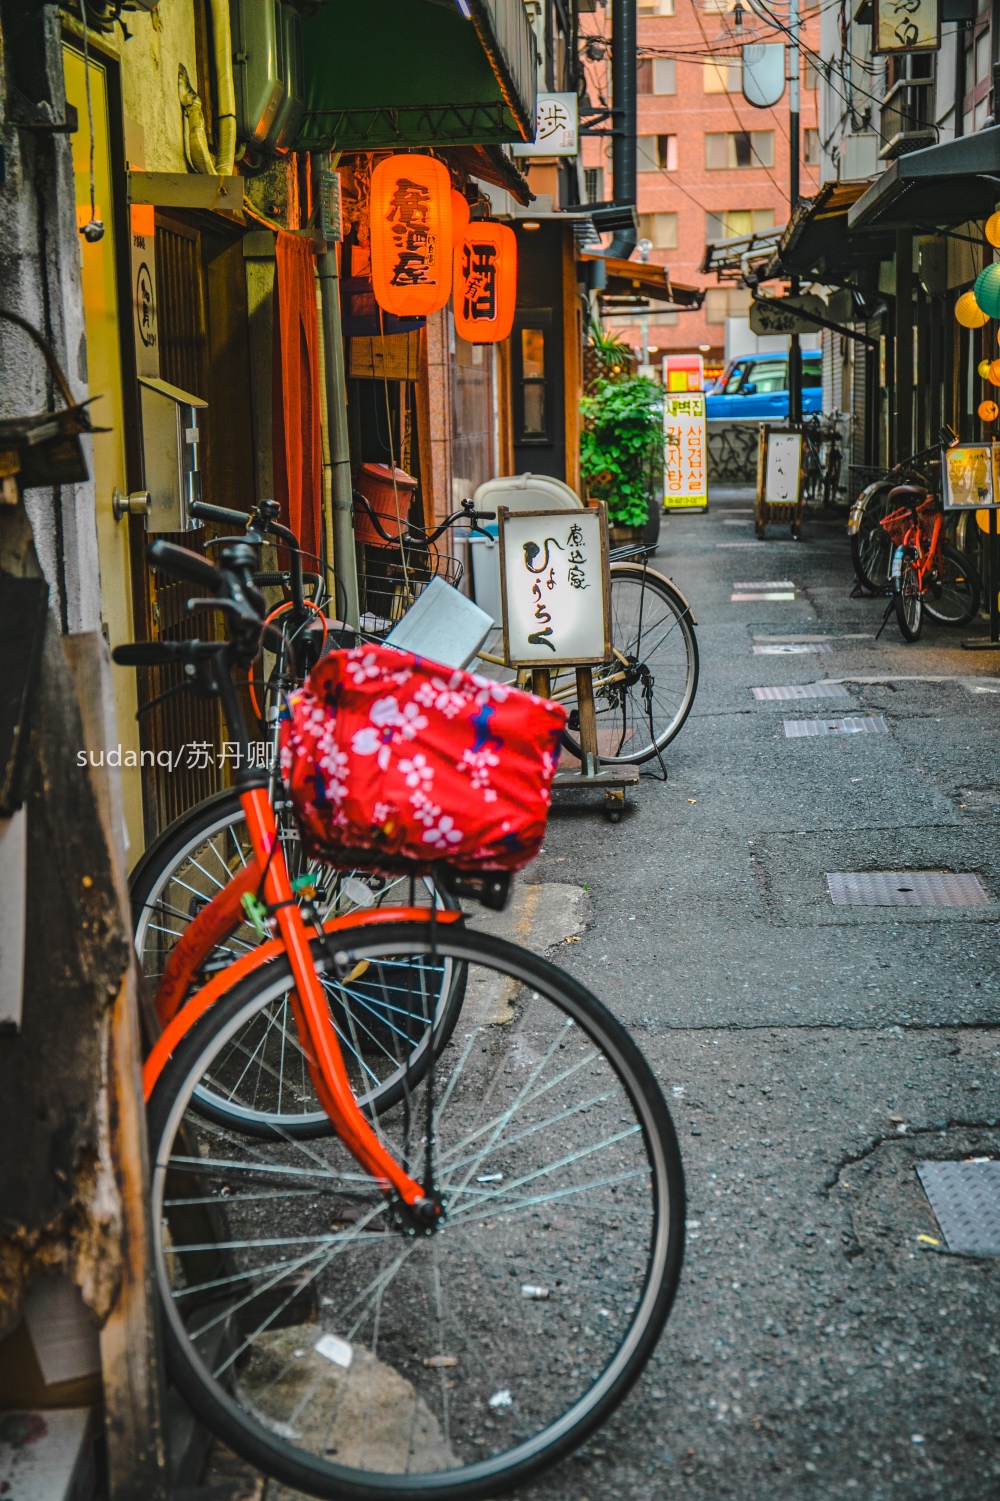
[(660, 229), (739, 148), (532, 378), (722, 78)]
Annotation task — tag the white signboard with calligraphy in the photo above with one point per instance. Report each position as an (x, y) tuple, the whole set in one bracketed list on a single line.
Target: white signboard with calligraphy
[(685, 481), (906, 26), (782, 469), (556, 128), (554, 587)]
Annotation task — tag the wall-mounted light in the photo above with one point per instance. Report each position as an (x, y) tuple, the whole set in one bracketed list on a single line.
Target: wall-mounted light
[(530, 224)]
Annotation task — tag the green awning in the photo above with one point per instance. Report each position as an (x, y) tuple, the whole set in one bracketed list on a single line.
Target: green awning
[(417, 73)]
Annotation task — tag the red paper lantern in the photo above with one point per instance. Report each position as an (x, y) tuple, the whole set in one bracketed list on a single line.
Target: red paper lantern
[(411, 235), (485, 282), (459, 215)]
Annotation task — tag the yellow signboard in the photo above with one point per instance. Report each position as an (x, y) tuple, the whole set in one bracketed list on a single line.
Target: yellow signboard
[(685, 465)]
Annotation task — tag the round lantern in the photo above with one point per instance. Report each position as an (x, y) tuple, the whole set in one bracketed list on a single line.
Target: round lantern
[(993, 374), (992, 229), (983, 369), (969, 313), (485, 282), (410, 217), (987, 291), (988, 411), (459, 215)]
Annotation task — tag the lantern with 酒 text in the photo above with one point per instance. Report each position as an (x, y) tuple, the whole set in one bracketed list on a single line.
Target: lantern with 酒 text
[(485, 282), (410, 218)]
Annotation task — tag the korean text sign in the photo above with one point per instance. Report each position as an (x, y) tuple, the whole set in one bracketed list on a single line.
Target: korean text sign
[(685, 476), (554, 587)]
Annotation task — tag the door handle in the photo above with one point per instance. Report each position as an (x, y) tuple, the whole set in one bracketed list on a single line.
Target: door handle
[(136, 504)]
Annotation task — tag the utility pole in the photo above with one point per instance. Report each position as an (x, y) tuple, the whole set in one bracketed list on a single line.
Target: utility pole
[(794, 66), (624, 118)]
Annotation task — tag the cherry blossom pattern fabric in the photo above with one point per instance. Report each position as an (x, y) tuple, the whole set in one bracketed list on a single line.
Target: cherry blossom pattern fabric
[(382, 750)]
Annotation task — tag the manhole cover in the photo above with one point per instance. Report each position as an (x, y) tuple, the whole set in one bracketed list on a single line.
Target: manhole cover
[(904, 888), (800, 690), (965, 1198), (854, 724), (791, 649)]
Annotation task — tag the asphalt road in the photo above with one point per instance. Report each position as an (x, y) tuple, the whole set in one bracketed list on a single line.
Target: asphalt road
[(811, 1054)]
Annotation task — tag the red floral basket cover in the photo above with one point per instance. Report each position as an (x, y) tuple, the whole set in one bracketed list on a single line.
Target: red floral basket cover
[(387, 752)]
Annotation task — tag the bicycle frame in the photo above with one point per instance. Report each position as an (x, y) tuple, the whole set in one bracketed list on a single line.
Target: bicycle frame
[(309, 1004), (925, 560)]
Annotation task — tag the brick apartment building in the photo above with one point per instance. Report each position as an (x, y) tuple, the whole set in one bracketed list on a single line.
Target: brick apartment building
[(710, 166)]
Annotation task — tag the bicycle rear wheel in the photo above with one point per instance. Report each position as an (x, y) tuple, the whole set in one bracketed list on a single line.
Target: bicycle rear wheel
[(263, 1085), (644, 696), (954, 599), (350, 1358)]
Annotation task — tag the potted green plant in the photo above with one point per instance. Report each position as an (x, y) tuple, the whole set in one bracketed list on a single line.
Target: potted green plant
[(621, 452)]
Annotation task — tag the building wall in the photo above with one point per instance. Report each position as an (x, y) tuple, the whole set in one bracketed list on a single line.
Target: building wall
[(684, 186)]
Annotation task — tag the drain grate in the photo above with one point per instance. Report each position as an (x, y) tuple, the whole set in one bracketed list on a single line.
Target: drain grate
[(853, 724), (965, 1198), (792, 649), (800, 690), (767, 584), (904, 888)]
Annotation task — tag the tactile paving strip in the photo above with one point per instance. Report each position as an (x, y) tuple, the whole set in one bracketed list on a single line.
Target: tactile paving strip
[(965, 1198), (792, 649), (853, 724), (904, 888), (800, 690)]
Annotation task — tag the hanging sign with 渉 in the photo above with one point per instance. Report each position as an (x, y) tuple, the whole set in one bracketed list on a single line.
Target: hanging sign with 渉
[(906, 26), (554, 587), (971, 472), (685, 483), (556, 127), (782, 468), (763, 73)]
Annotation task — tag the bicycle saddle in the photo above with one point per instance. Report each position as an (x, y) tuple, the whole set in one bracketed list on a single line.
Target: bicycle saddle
[(907, 495)]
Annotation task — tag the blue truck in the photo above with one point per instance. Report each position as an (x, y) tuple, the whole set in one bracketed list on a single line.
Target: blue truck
[(755, 387)]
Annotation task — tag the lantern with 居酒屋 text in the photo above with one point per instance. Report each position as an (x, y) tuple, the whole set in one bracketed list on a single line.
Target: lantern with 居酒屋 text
[(410, 217), (485, 282)]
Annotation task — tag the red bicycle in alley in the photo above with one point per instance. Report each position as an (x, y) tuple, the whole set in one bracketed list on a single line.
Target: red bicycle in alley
[(925, 572), (402, 1300)]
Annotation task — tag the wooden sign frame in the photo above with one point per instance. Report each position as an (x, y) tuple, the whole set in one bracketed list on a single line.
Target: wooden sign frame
[(565, 518), (767, 431), (992, 456)]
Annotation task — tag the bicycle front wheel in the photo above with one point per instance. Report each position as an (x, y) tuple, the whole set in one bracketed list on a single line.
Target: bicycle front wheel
[(262, 1085), (954, 598), (907, 597), (644, 695), (349, 1357)]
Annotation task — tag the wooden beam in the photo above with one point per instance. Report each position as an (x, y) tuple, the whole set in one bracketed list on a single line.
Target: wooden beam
[(572, 319)]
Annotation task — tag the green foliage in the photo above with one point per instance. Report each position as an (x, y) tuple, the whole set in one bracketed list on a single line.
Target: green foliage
[(621, 448), (611, 356)]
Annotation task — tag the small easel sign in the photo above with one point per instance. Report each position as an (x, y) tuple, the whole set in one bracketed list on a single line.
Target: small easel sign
[(556, 606)]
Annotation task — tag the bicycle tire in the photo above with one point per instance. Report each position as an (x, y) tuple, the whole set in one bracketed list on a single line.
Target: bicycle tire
[(871, 548), (185, 858), (553, 1142), (961, 590), (635, 634), (907, 599), (831, 477)]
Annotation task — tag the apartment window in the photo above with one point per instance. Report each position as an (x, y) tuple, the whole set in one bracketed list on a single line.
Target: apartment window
[(722, 78), (593, 184), (811, 151), (656, 153), (664, 75), (718, 7), (661, 229), (644, 75), (726, 302), (740, 221), (739, 148), (655, 7), (811, 79)]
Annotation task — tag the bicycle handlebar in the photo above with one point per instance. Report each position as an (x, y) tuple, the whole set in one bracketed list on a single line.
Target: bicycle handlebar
[(151, 653), (184, 564), (203, 512)]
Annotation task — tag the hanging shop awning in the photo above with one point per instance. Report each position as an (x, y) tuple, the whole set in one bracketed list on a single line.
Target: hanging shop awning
[(817, 242), (417, 73), (941, 185), (642, 279)]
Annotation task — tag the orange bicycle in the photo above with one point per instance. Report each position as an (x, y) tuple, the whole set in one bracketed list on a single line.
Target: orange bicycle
[(455, 1286), (926, 573)]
